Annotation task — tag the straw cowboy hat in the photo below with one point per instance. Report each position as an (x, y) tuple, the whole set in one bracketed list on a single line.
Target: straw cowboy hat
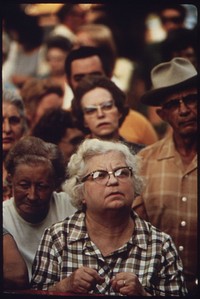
[(168, 77)]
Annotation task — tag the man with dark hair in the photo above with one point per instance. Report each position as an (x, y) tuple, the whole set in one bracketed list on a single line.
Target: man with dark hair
[(87, 53)]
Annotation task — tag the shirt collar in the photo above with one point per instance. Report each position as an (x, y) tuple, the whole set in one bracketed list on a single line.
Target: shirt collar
[(78, 230), (168, 149)]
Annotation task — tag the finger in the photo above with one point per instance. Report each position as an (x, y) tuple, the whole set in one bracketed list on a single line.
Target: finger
[(94, 275), (117, 284)]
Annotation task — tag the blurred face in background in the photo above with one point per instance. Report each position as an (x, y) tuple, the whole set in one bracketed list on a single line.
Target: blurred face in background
[(49, 101), (84, 66), (76, 17), (171, 19), (12, 126), (70, 141), (56, 60)]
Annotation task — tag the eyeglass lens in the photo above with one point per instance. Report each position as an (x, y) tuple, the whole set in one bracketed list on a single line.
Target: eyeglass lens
[(106, 106), (188, 101), (102, 176)]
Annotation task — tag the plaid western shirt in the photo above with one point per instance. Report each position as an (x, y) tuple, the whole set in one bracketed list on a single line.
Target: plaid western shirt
[(170, 199), (150, 254)]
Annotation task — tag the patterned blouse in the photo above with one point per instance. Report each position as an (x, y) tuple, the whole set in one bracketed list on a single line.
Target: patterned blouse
[(150, 254)]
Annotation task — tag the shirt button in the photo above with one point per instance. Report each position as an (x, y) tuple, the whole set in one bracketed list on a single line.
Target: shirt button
[(184, 198), (106, 268), (180, 248), (183, 223)]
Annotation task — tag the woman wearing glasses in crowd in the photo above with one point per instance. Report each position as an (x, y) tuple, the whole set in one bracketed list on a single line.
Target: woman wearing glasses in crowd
[(14, 126), (105, 248), (99, 107)]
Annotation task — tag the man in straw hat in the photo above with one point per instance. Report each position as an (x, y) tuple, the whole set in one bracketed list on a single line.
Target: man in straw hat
[(170, 164)]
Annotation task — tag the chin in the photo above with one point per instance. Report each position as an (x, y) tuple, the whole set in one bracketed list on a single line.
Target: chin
[(189, 133), (107, 135)]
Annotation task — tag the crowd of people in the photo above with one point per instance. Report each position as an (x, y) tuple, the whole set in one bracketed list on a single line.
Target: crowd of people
[(99, 147)]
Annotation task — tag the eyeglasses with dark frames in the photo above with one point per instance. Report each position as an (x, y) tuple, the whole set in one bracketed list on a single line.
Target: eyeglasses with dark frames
[(92, 109), (189, 101), (101, 176)]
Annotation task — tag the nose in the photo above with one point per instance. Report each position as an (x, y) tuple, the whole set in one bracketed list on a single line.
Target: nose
[(32, 193), (112, 180), (6, 126), (100, 112), (183, 108)]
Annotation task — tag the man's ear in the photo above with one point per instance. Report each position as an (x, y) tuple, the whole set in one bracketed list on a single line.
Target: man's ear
[(161, 113)]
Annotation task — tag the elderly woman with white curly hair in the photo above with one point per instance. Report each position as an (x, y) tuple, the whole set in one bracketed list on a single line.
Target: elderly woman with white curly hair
[(105, 248)]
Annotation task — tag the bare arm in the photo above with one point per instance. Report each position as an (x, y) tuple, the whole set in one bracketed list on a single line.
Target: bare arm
[(15, 273)]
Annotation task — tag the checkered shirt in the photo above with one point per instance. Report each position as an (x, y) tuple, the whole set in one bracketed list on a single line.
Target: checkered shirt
[(170, 198), (150, 254)]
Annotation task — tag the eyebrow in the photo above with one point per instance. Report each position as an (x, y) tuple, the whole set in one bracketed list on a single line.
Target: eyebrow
[(100, 104), (88, 73)]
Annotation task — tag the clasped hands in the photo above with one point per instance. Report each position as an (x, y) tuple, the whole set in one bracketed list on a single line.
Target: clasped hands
[(85, 279)]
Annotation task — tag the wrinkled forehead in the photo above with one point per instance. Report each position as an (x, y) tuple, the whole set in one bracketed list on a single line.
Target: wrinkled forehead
[(96, 96), (103, 161)]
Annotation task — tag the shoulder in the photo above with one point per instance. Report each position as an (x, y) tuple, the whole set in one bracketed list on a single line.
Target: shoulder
[(138, 117), (8, 204), (134, 147), (66, 226), (152, 234), (153, 149), (61, 201), (61, 198)]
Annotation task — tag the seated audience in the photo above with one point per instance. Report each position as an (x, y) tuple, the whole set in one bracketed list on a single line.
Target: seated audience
[(37, 170), (94, 61), (105, 248), (58, 126), (170, 165), (14, 126), (15, 273), (99, 107)]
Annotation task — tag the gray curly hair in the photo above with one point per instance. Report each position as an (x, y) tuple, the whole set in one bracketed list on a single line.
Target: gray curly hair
[(77, 167)]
